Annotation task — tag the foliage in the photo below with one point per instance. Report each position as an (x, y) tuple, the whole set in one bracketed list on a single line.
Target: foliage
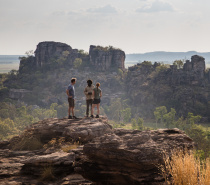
[(125, 115), (159, 113), (6, 127), (107, 48), (77, 62), (169, 118), (161, 67), (63, 58), (178, 63), (82, 52), (29, 53), (138, 123), (15, 119), (147, 63)]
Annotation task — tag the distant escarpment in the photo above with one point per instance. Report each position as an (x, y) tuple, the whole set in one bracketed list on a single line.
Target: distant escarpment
[(185, 88), (49, 54), (87, 151)]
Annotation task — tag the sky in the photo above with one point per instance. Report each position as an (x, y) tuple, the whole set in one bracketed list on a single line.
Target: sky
[(135, 26)]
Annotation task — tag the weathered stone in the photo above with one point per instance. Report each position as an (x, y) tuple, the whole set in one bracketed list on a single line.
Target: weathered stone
[(187, 66), (27, 64), (46, 51), (83, 130), (131, 157), (60, 163), (104, 59)]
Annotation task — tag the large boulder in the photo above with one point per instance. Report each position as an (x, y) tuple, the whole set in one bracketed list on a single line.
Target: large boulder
[(82, 130), (131, 157)]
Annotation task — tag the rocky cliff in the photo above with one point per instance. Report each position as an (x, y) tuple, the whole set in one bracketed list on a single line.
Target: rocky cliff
[(102, 155), (47, 51), (50, 53), (106, 58)]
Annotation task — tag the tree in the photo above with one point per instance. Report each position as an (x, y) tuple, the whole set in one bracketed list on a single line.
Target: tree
[(115, 110), (140, 122), (178, 63), (191, 119), (126, 114), (77, 62), (169, 118), (120, 73), (159, 112), (134, 124), (29, 53), (62, 59)]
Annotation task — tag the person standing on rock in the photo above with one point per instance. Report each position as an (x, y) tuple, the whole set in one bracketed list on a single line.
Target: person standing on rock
[(97, 94), (89, 96), (71, 95)]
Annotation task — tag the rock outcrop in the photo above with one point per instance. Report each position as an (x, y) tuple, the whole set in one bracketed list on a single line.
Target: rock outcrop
[(48, 54), (103, 155), (106, 58), (131, 157)]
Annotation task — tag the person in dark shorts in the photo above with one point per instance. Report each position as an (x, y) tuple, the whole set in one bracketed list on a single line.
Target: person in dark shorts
[(71, 95), (97, 94), (88, 91)]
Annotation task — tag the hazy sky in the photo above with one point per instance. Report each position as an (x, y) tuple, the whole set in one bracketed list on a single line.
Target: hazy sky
[(135, 26)]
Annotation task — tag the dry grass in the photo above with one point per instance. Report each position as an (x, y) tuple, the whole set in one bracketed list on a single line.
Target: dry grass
[(70, 147), (182, 168), (47, 174), (28, 142)]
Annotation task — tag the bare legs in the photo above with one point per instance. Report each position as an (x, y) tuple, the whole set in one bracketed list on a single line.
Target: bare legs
[(71, 110), (98, 109)]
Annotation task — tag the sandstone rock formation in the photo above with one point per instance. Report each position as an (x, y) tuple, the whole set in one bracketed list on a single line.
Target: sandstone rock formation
[(106, 58), (47, 53), (131, 157), (104, 155)]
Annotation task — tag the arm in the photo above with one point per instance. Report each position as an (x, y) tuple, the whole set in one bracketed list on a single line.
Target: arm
[(67, 92), (100, 94), (93, 94), (85, 91)]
